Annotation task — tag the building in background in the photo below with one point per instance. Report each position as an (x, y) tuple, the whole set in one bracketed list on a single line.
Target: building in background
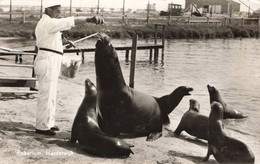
[(214, 6)]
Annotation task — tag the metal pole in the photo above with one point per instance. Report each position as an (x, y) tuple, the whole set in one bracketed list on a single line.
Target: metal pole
[(98, 7), (123, 18), (41, 9), (70, 6), (133, 55)]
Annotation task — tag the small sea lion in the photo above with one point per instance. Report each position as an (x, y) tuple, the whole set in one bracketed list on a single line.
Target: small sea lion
[(228, 112), (224, 148), (193, 122)]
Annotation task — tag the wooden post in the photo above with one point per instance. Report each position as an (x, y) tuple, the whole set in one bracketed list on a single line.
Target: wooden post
[(225, 21), (258, 26), (126, 20), (123, 17), (41, 10), (132, 67), (98, 7), (169, 20), (230, 13), (151, 55), (10, 11), (191, 11), (148, 13), (155, 34), (163, 42), (23, 17), (156, 51), (82, 57), (208, 20), (70, 7), (127, 55), (242, 22)]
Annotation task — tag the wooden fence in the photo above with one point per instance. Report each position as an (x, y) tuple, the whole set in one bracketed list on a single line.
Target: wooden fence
[(135, 20)]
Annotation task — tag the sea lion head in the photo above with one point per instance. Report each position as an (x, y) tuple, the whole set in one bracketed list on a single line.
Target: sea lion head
[(183, 90), (211, 89), (90, 88), (214, 95), (194, 105), (103, 40), (216, 111), (213, 92), (105, 52)]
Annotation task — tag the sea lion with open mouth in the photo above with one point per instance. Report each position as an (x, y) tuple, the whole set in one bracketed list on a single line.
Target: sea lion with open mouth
[(126, 110)]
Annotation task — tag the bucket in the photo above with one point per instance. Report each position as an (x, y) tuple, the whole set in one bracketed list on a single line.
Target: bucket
[(70, 67)]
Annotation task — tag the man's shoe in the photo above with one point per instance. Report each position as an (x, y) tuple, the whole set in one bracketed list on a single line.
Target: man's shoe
[(46, 132), (55, 128)]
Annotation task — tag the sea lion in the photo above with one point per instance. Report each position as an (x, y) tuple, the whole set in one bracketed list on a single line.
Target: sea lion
[(126, 110), (86, 130), (193, 122), (224, 148), (228, 112)]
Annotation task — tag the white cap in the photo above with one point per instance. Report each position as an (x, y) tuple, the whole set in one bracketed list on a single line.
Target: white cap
[(52, 3)]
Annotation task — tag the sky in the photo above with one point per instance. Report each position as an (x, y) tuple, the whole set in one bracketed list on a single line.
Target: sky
[(133, 4)]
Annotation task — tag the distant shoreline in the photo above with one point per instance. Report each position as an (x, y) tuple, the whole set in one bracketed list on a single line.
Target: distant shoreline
[(175, 31)]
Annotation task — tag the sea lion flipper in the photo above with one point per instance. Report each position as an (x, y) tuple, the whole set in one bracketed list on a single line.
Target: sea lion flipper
[(130, 145), (153, 136), (74, 133), (207, 156), (166, 120), (178, 131)]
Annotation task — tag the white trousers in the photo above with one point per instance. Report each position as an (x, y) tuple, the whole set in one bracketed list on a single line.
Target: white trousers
[(47, 69)]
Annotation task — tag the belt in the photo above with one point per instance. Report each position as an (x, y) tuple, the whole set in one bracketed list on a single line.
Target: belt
[(50, 50)]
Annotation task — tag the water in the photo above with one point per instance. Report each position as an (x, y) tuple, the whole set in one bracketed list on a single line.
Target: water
[(232, 66)]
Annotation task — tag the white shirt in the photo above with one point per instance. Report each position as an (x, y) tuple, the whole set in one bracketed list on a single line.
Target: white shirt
[(48, 33)]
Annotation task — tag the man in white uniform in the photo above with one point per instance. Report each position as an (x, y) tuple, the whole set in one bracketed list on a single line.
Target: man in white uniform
[(47, 65)]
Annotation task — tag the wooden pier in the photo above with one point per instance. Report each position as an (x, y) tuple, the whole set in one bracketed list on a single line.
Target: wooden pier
[(30, 82)]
